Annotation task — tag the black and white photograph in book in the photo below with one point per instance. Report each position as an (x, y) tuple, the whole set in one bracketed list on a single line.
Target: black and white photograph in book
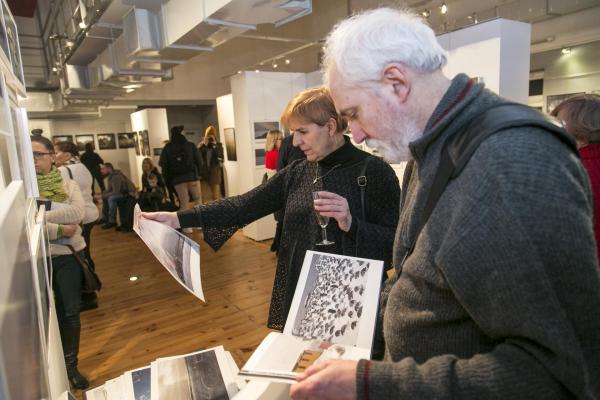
[(193, 377), (332, 301), (141, 384), (262, 128)]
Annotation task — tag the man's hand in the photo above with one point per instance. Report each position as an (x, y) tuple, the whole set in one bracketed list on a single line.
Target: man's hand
[(167, 218), (69, 230), (334, 206), (331, 379)]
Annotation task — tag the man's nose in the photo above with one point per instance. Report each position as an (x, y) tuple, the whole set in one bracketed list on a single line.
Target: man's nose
[(358, 135)]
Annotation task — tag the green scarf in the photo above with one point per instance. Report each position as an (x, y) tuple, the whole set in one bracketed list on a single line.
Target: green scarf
[(51, 186)]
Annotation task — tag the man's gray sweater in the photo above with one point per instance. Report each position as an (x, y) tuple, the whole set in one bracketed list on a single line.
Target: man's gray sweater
[(501, 295)]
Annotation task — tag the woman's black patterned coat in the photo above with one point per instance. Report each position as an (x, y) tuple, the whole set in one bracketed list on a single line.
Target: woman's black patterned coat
[(291, 188)]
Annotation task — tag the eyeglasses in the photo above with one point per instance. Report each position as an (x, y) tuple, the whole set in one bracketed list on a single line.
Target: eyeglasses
[(37, 155)]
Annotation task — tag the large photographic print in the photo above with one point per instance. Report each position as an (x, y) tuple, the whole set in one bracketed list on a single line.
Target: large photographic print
[(230, 144), (106, 141), (126, 140), (176, 252), (145, 143), (196, 376), (262, 128), (81, 141)]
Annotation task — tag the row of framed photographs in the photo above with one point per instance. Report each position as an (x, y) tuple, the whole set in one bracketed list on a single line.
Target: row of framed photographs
[(140, 141), (9, 41)]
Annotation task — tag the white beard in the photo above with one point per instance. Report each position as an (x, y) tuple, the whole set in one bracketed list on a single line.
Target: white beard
[(396, 150)]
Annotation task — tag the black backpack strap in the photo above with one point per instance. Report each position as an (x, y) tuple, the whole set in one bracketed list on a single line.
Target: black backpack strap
[(459, 148), (362, 183), (69, 171)]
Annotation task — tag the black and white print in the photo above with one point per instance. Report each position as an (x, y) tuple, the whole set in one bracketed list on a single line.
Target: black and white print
[(332, 302)]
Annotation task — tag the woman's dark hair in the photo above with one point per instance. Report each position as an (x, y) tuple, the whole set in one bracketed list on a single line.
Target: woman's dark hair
[(581, 115), (44, 141), (68, 147), (89, 147)]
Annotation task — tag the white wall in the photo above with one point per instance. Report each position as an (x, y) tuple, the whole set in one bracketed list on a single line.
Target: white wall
[(227, 120), (258, 97), (497, 51), (155, 121)]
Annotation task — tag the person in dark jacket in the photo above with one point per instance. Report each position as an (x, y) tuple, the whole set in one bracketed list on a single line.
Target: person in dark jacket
[(332, 168), (119, 187), (181, 164), (93, 162), (211, 174)]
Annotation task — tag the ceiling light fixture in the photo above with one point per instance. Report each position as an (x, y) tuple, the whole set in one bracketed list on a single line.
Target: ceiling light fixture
[(444, 8), (566, 50), (82, 25), (133, 278), (425, 13), (275, 65), (69, 43), (287, 61), (240, 71), (257, 70)]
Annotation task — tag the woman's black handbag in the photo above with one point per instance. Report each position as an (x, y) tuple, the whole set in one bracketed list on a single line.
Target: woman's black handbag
[(91, 282)]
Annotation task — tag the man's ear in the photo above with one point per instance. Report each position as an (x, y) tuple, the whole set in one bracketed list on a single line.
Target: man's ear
[(396, 75)]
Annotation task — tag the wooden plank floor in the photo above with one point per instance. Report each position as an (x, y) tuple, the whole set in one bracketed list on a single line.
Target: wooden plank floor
[(154, 316)]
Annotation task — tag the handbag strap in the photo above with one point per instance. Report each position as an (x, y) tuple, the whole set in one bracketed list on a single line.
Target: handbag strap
[(362, 183), (78, 257), (69, 171)]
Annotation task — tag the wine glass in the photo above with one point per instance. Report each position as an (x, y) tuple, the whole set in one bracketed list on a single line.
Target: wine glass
[(322, 221)]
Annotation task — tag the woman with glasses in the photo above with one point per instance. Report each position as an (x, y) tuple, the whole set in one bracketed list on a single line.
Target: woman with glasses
[(65, 213), (358, 192)]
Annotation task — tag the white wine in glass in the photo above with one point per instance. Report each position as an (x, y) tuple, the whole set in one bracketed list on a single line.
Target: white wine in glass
[(323, 222)]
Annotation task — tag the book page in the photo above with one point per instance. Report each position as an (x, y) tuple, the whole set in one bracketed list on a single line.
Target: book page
[(336, 299)]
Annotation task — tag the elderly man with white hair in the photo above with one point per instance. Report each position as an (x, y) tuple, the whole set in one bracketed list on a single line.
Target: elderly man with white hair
[(496, 290)]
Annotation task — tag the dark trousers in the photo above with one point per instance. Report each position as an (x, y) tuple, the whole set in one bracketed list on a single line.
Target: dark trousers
[(66, 283), (98, 178), (87, 236)]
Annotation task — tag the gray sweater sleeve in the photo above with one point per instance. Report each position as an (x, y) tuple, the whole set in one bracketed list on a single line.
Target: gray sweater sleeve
[(518, 255)]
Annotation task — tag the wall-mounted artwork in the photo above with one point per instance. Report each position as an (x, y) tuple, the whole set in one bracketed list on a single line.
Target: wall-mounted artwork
[(62, 138), (260, 156), (145, 142), (136, 139), (81, 140), (3, 38), (261, 129), (126, 140), (555, 100), (106, 141), (10, 31), (157, 151), (230, 144)]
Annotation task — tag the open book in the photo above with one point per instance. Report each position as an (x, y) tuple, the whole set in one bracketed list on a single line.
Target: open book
[(332, 316)]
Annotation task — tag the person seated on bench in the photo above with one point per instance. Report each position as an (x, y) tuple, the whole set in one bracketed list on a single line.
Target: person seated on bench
[(118, 188), (152, 196)]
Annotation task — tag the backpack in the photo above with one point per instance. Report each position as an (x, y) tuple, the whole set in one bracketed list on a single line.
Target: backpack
[(459, 147), (181, 160)]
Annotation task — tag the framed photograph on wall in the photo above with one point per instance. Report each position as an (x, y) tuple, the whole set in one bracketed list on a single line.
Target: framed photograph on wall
[(261, 129), (145, 143), (126, 140), (260, 157), (81, 141), (62, 138), (4, 107), (555, 100), (230, 144), (106, 141), (10, 31), (136, 139), (157, 151), (3, 38)]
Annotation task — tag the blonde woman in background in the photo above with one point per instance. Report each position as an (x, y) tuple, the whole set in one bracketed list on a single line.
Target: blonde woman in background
[(211, 153), (274, 139)]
